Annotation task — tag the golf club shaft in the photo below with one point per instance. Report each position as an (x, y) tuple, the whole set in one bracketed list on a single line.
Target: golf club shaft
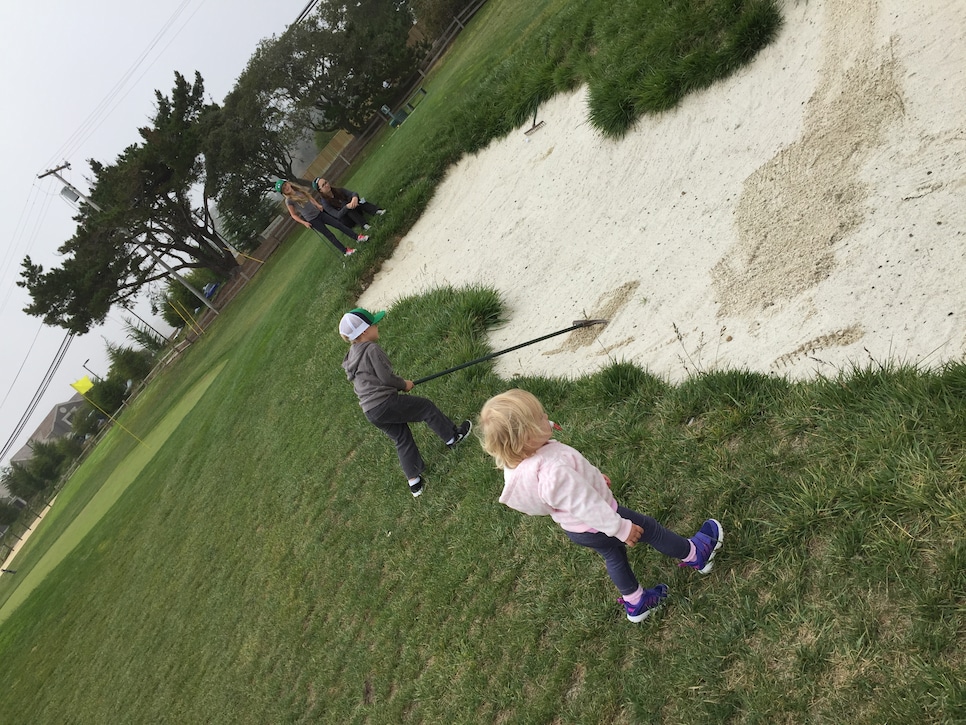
[(576, 326), (327, 243)]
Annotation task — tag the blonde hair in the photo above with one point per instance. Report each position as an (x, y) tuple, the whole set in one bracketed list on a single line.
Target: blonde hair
[(298, 193), (512, 426)]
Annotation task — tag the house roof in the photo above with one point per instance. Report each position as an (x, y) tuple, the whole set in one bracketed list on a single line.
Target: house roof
[(57, 424)]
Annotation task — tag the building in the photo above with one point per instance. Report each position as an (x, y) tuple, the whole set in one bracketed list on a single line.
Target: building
[(57, 424)]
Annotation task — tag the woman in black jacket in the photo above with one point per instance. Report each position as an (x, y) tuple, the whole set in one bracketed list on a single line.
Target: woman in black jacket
[(345, 205)]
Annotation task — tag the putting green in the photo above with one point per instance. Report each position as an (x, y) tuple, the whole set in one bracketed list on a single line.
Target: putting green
[(110, 492)]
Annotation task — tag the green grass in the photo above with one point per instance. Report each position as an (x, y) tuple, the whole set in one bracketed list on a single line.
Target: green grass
[(67, 526), (269, 566)]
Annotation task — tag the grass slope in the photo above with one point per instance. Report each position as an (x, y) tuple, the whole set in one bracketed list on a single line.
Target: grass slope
[(105, 496)]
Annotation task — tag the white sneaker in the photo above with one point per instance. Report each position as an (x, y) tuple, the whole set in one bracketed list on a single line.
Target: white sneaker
[(349, 252), (380, 212), (362, 238)]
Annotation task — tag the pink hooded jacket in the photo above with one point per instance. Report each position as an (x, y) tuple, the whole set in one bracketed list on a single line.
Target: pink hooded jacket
[(557, 481)]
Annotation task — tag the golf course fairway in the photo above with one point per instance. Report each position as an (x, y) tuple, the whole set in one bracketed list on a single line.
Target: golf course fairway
[(110, 492)]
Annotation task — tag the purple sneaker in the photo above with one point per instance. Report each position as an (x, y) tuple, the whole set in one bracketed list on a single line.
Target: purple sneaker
[(652, 599), (706, 543)]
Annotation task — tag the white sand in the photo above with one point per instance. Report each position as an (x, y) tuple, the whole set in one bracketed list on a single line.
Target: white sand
[(803, 215)]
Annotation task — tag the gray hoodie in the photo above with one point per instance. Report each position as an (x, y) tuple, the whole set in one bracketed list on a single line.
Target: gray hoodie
[(368, 368)]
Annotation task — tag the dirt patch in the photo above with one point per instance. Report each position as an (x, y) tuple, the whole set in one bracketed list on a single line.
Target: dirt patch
[(796, 208)]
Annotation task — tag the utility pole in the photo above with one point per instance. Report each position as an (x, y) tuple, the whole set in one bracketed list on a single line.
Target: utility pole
[(55, 173)]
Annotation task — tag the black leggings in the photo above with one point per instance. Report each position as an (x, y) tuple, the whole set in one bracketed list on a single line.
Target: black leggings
[(321, 224), (357, 217)]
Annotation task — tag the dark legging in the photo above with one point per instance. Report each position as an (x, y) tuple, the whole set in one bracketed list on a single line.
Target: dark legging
[(321, 224), (614, 550), (393, 418), (357, 217)]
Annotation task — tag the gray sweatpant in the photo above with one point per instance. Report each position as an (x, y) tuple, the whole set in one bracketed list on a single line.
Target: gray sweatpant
[(393, 418)]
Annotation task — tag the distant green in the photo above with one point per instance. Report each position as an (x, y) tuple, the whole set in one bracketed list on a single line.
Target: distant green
[(104, 497)]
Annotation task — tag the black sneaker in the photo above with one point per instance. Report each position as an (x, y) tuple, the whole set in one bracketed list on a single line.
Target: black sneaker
[(416, 488), (460, 432)]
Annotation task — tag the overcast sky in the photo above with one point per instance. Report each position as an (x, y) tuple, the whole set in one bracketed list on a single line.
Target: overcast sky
[(78, 79)]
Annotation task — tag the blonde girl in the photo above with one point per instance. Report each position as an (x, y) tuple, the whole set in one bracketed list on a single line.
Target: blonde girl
[(543, 477)]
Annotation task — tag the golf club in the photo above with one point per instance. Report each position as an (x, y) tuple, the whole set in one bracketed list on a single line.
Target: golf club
[(576, 326), (325, 243)]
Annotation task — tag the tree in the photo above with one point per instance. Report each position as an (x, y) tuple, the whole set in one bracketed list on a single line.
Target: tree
[(173, 300), (8, 513), (367, 52), (434, 16), (44, 469), (244, 215), (86, 423), (145, 336), (19, 481), (146, 211), (246, 149), (129, 363), (249, 135), (339, 65), (100, 269), (108, 393)]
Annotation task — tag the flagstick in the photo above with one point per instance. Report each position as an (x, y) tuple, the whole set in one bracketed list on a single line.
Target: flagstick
[(242, 254), (177, 311), (191, 320), (186, 317), (113, 419)]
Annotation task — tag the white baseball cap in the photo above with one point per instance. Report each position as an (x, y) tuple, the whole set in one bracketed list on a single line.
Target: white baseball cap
[(355, 322)]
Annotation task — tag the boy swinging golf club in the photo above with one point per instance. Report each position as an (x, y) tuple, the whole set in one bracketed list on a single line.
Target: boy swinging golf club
[(378, 389)]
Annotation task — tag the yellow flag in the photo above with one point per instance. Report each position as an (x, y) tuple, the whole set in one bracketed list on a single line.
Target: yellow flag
[(82, 385)]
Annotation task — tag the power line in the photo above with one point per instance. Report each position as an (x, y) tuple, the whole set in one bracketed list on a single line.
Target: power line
[(29, 224), (114, 96), (305, 11), (13, 383), (25, 238)]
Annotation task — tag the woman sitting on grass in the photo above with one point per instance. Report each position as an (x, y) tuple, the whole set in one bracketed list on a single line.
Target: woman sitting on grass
[(345, 204)]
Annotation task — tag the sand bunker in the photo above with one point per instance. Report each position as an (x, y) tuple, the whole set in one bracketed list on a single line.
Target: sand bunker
[(804, 215)]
